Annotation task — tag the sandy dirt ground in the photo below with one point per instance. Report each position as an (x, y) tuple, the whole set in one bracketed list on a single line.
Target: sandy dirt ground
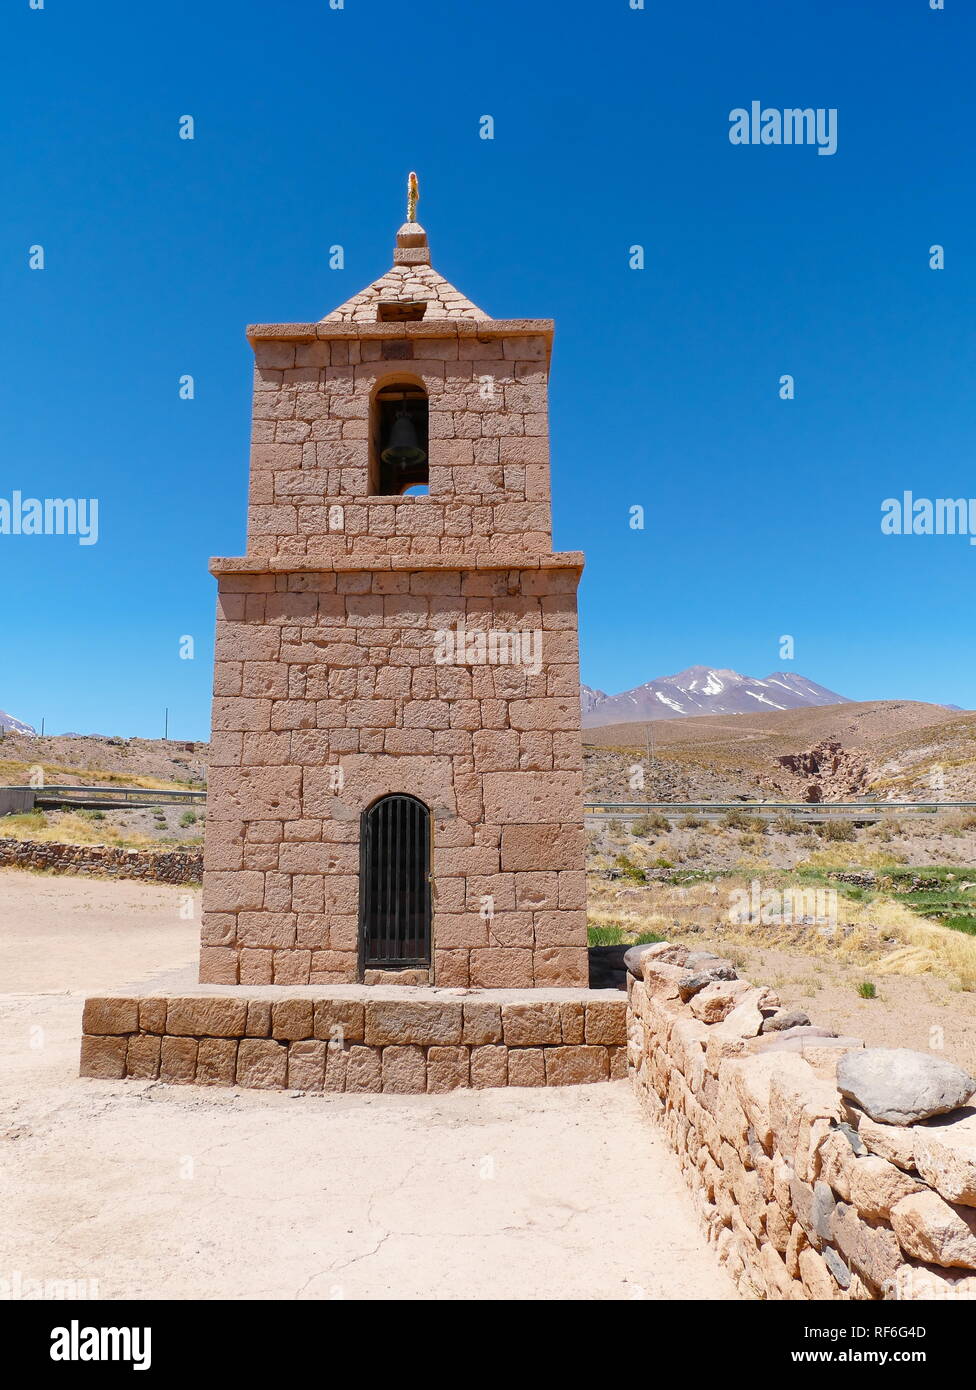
[(917, 1011), (144, 1190)]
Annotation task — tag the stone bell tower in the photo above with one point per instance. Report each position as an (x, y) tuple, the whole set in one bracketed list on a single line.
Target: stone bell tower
[(395, 774)]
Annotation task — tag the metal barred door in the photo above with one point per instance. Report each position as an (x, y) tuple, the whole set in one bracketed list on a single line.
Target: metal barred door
[(395, 883)]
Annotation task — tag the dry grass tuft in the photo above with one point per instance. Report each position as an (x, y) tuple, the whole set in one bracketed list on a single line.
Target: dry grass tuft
[(883, 933), (73, 829), (16, 773), (848, 856)]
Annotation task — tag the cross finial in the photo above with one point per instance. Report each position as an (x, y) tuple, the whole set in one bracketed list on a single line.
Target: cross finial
[(413, 197)]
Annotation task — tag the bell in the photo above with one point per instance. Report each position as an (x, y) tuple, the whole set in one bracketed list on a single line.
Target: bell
[(402, 447)]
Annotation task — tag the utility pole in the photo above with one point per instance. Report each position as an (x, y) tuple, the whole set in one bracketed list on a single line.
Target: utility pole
[(166, 724)]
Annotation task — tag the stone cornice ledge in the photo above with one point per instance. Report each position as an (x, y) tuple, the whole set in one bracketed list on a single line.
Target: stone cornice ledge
[(484, 329), (346, 564)]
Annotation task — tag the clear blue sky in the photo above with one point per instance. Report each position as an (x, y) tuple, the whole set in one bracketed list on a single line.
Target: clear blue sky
[(611, 129)]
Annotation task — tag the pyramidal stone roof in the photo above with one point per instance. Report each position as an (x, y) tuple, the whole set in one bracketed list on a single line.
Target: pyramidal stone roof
[(411, 289)]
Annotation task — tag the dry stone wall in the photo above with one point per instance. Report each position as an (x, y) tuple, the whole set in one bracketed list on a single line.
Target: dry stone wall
[(108, 861), (803, 1193)]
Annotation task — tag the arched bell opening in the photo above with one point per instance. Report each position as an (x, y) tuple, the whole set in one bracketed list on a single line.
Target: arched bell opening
[(399, 428)]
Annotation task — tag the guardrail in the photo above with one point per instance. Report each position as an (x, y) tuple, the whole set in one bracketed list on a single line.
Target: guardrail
[(770, 810), (26, 798)]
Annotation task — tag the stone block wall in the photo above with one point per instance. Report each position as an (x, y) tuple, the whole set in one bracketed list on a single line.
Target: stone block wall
[(332, 685), (488, 439), (803, 1194), (328, 1042), (108, 861), (333, 673)]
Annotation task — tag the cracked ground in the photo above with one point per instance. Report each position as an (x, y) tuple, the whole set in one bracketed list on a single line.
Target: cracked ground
[(175, 1192)]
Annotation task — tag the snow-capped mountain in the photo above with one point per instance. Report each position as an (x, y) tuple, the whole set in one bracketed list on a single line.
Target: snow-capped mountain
[(704, 690), (7, 721), (590, 698)]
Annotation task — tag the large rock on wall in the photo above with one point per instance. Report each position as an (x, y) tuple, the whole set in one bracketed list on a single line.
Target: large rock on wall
[(901, 1087)]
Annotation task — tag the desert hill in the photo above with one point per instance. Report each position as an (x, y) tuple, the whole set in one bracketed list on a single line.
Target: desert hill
[(91, 759), (900, 749)]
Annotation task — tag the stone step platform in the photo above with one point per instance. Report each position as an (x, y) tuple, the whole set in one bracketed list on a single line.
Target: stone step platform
[(391, 1038)]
